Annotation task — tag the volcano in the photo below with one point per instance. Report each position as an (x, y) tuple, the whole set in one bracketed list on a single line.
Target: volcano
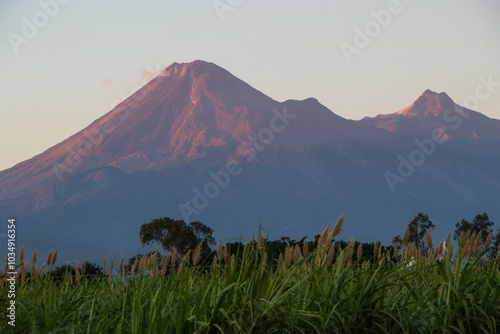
[(197, 143)]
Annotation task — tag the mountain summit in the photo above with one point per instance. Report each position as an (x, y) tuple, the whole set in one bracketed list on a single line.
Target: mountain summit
[(429, 104), (437, 111)]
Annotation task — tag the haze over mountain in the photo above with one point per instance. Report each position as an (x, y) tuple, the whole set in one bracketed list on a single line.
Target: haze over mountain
[(200, 144)]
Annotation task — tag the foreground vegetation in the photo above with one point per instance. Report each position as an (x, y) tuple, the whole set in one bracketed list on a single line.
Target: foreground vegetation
[(333, 288)]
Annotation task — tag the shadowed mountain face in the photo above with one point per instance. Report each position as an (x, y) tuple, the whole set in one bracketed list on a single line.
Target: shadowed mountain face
[(197, 143)]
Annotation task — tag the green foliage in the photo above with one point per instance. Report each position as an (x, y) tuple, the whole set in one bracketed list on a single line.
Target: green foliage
[(90, 269), (250, 296), (480, 223), (176, 235), (416, 231)]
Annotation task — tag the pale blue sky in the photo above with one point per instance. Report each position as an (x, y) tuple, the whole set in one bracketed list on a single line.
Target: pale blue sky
[(53, 86)]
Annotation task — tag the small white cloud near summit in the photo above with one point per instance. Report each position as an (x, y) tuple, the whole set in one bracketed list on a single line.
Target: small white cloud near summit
[(106, 82)]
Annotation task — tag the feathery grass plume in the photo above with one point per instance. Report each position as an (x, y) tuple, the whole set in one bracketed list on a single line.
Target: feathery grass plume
[(317, 260), (330, 254), (77, 274), (183, 262), (197, 253), (21, 255), (33, 259), (49, 258), (350, 250), (120, 267), (438, 250), (477, 244), (104, 265), (449, 248), (40, 272), (54, 258), (111, 263), (428, 239), (262, 243), (375, 248), (264, 262), (410, 250), (233, 259), (465, 248), (466, 235), (406, 236), (226, 252), (379, 255), (24, 272), (66, 279), (323, 241), (359, 253), (340, 255), (181, 267), (187, 256), (280, 258), (338, 226), (163, 264), (154, 262), (220, 251), (84, 265), (297, 255), (142, 264), (487, 242), (154, 270), (134, 266), (33, 266), (383, 257), (174, 257), (305, 249), (288, 255), (396, 252), (70, 279)]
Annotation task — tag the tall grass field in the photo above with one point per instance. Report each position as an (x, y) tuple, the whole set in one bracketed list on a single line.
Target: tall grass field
[(328, 289)]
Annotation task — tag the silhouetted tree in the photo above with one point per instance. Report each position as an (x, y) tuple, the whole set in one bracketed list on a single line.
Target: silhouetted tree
[(480, 223), (416, 231), (176, 235)]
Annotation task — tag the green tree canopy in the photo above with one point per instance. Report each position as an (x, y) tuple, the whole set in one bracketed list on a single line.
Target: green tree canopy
[(176, 235), (480, 223), (416, 231)]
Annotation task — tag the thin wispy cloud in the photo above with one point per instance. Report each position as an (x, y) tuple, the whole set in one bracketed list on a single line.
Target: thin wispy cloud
[(106, 82), (148, 74)]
